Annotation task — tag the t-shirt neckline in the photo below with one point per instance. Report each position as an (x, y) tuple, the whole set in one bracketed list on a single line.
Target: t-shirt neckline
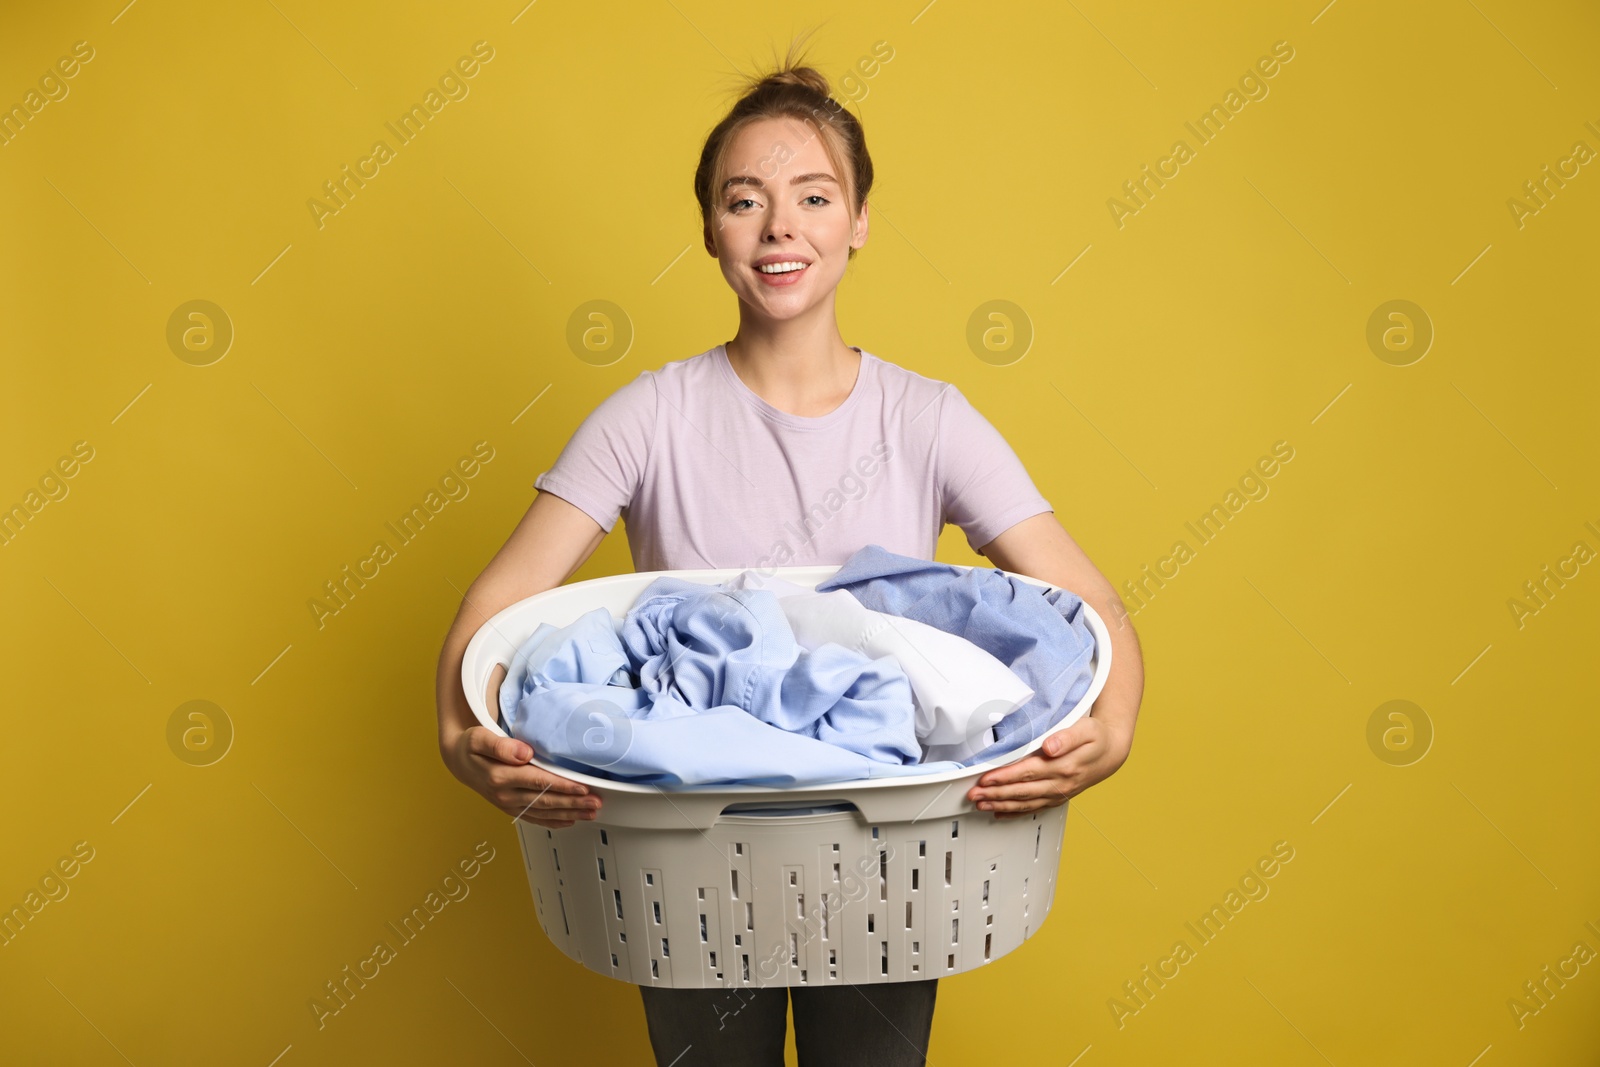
[(784, 418)]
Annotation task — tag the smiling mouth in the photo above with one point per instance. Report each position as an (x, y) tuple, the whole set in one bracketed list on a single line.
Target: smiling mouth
[(782, 277)]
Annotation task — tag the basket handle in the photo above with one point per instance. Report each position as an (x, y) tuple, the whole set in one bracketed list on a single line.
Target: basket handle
[(786, 807), (695, 810)]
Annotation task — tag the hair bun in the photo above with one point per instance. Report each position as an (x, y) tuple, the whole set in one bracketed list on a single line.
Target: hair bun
[(806, 77)]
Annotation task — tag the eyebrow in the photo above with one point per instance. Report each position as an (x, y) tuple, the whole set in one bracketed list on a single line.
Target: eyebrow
[(798, 179)]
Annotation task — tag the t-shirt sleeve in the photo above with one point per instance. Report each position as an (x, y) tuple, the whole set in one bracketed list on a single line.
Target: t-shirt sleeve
[(603, 463), (983, 486)]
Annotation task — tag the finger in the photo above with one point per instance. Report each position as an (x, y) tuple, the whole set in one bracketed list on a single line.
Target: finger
[(1075, 736), (1033, 769), (527, 776), (1026, 804), (535, 805), (483, 742), (531, 777), (548, 802), (548, 819), (1021, 791), (1017, 807), (1024, 770), (519, 790)]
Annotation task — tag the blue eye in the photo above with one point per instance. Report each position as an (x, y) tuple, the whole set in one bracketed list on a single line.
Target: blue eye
[(814, 196)]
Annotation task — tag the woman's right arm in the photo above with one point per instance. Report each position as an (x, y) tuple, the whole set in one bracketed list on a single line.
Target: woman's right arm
[(548, 546)]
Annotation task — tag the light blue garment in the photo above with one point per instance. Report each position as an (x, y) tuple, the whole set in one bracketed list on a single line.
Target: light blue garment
[(1043, 637), (583, 658), (725, 696), (708, 646)]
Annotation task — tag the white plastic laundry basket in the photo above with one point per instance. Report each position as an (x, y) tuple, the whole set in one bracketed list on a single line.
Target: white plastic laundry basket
[(882, 880)]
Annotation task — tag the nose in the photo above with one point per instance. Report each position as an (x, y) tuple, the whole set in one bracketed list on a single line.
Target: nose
[(777, 227)]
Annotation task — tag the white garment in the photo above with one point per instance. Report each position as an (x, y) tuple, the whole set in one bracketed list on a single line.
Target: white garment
[(960, 691)]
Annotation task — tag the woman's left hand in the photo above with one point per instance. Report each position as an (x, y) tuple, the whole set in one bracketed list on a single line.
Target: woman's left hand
[(1066, 764)]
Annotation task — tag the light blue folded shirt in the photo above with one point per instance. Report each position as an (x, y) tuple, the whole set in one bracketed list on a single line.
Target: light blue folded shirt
[(1044, 637), (706, 686)]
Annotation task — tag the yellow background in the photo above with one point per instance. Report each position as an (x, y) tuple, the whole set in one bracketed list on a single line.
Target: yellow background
[(370, 354)]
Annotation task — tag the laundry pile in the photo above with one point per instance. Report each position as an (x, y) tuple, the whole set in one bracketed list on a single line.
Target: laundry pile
[(892, 666)]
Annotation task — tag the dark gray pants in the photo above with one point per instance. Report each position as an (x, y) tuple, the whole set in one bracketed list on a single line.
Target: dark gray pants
[(882, 1025)]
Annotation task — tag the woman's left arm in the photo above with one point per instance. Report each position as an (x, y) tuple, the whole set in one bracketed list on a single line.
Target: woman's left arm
[(1092, 748)]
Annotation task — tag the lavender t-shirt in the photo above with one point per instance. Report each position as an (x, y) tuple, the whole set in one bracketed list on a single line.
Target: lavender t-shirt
[(706, 474)]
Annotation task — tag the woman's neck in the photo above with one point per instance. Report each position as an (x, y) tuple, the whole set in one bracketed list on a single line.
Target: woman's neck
[(808, 376)]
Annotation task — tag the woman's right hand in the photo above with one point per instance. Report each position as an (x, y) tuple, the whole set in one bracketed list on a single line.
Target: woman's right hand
[(498, 768), (551, 542)]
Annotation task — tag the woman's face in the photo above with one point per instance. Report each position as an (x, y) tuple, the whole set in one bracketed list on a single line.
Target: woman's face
[(782, 201)]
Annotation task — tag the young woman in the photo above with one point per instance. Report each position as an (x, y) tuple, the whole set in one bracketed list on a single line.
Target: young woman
[(785, 447)]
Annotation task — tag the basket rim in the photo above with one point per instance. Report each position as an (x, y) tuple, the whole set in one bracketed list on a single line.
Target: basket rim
[(477, 665)]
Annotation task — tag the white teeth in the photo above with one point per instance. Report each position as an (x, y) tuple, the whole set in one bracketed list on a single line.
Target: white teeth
[(779, 268)]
